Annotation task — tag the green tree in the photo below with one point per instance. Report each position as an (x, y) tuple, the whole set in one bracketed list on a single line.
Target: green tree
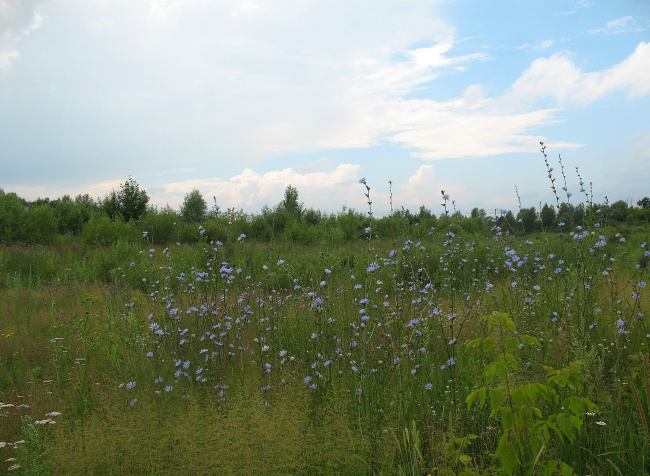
[(194, 208), (12, 217), (69, 215), (478, 213), (527, 218), (548, 217), (290, 203), (618, 210), (565, 214), (644, 202), (129, 202)]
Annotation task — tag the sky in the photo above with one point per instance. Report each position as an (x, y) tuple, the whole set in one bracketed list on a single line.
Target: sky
[(241, 98)]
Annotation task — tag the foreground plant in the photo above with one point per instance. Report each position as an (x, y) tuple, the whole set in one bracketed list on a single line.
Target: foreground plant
[(534, 417)]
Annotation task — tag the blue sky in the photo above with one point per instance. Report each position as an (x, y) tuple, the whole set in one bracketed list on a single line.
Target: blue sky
[(240, 98)]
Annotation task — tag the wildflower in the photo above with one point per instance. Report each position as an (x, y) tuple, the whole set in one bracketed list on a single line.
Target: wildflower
[(601, 423), (130, 385), (280, 262), (133, 402), (373, 267), (428, 386), (362, 181)]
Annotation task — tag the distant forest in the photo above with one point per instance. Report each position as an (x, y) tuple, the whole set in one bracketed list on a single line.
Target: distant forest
[(125, 214)]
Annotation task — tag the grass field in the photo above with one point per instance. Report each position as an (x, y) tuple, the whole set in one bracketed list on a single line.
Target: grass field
[(438, 353)]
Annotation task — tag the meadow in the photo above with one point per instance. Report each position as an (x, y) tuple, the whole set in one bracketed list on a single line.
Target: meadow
[(425, 350)]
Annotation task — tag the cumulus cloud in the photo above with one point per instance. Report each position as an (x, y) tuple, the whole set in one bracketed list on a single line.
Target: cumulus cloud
[(558, 77), (250, 190)]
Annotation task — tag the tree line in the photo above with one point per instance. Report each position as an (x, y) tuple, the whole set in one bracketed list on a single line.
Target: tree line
[(126, 214)]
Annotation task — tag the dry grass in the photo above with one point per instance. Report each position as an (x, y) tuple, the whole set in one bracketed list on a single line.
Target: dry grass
[(241, 436)]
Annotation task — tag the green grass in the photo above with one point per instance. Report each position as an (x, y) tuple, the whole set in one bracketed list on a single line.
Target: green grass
[(273, 358)]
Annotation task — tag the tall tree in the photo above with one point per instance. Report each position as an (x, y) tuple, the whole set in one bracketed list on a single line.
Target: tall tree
[(548, 217), (133, 201), (129, 202), (290, 203), (194, 208)]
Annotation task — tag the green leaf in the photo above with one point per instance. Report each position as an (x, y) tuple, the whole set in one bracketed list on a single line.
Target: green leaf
[(564, 424), (511, 344), (482, 395), (512, 362), (507, 419), (507, 454), (543, 391), (488, 346), (470, 398), (577, 422), (494, 369), (554, 427), (531, 393), (474, 343), (496, 397), (508, 323), (566, 470), (550, 468), (528, 340)]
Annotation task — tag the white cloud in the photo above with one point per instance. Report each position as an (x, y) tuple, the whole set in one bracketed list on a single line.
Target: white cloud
[(250, 190), (423, 189), (162, 11), (326, 191), (17, 19), (559, 78), (621, 25)]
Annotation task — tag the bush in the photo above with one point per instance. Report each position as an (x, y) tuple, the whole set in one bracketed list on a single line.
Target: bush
[(101, 230), (161, 226), (41, 225)]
